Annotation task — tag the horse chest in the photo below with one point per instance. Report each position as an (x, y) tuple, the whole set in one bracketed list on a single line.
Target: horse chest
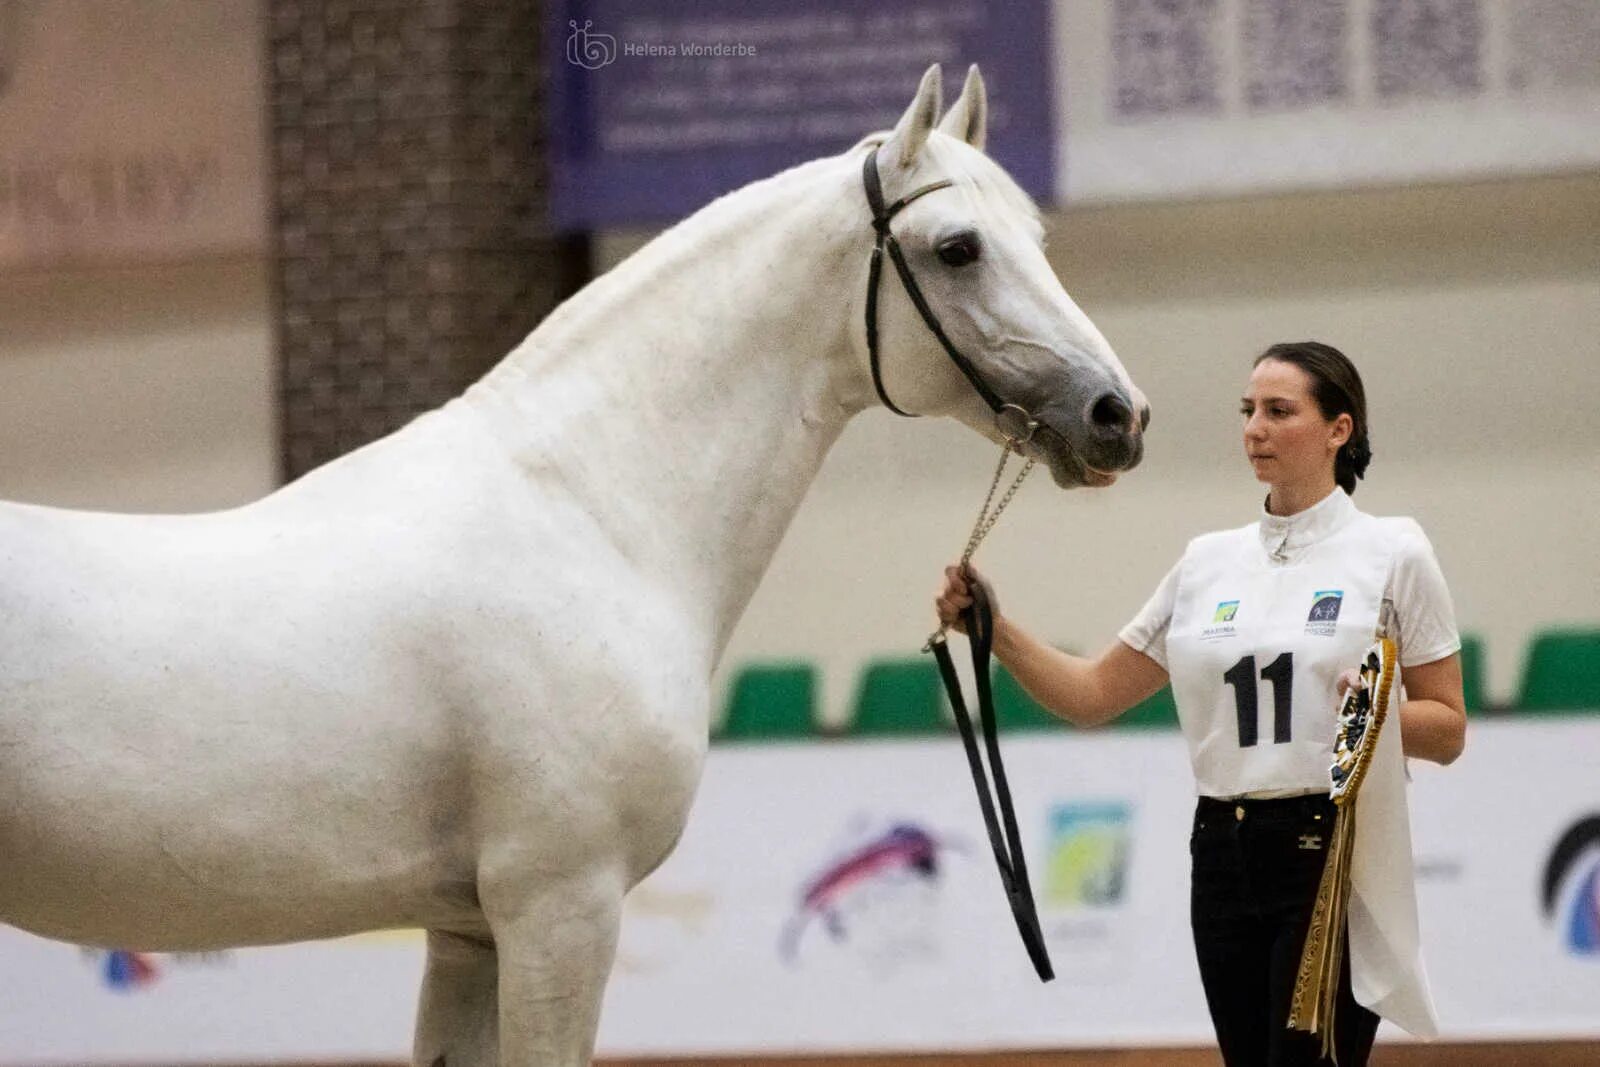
[(592, 748)]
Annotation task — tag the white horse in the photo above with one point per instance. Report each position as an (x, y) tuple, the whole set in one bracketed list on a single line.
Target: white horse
[(460, 678)]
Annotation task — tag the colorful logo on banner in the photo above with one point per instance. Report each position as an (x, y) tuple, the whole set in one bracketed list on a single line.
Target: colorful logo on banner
[(1570, 891), (1226, 610), (1086, 858), (123, 971), (877, 895)]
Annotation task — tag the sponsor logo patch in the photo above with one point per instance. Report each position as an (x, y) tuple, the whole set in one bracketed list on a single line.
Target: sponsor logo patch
[(1323, 618), (1221, 621)]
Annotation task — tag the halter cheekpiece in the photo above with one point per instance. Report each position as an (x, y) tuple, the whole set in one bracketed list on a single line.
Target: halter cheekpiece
[(881, 217)]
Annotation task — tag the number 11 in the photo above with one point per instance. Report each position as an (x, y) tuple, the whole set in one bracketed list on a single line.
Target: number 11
[(1242, 676)]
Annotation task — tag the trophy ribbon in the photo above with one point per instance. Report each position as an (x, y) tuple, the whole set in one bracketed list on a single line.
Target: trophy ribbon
[(1361, 716)]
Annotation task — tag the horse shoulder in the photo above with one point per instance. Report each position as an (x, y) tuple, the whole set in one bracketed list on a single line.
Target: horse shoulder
[(582, 695)]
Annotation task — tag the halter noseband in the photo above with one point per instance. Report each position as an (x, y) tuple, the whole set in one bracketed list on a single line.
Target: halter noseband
[(881, 217)]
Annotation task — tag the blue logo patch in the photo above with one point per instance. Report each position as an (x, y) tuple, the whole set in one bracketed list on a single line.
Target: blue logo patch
[(1571, 887), (1323, 618), (1325, 605)]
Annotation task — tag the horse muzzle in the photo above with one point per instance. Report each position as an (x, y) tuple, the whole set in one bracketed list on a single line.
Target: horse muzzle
[(1090, 442)]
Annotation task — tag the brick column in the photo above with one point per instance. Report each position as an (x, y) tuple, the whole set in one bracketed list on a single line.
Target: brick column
[(409, 208)]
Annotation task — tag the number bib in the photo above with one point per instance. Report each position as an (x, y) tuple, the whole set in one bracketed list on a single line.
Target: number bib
[(1255, 645)]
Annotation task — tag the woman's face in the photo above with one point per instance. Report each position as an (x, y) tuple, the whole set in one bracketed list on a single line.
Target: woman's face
[(1286, 439)]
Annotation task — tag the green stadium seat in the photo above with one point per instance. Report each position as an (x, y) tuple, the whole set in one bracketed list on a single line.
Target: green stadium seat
[(1158, 712), (1015, 710), (1472, 688), (771, 702), (1562, 672), (899, 698)]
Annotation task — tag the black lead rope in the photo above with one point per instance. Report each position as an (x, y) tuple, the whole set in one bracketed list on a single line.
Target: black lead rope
[(1004, 836), (1003, 833)]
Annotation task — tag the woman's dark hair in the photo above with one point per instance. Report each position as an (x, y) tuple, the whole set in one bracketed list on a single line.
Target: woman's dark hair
[(1336, 385)]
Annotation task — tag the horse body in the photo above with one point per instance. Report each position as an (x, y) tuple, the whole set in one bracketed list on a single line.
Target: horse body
[(460, 679), (413, 684), (275, 723)]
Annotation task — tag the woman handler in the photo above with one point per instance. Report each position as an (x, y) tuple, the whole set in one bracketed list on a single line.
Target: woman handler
[(1257, 629)]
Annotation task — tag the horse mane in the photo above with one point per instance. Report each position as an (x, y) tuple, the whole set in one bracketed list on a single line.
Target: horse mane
[(980, 179), (955, 159)]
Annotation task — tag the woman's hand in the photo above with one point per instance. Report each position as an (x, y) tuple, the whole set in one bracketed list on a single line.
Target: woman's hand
[(956, 595), (1348, 679)]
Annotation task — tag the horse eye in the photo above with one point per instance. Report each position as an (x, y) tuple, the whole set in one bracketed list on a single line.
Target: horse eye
[(959, 250)]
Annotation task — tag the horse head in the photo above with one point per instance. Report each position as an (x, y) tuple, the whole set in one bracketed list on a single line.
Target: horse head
[(971, 241)]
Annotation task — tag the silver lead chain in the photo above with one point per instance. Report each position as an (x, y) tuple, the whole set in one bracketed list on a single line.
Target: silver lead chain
[(987, 517)]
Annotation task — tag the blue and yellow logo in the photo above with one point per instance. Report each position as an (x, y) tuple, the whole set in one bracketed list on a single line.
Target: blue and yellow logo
[(1226, 610), (1086, 863)]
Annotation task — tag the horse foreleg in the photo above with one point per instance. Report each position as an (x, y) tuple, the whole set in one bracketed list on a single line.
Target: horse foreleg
[(556, 949), (457, 1017)]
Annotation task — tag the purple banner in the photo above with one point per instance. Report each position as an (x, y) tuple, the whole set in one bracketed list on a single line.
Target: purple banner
[(658, 108)]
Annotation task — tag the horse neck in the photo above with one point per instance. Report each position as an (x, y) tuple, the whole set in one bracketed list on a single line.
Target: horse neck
[(687, 399)]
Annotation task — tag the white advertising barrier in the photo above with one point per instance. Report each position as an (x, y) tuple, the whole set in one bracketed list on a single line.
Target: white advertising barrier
[(842, 896)]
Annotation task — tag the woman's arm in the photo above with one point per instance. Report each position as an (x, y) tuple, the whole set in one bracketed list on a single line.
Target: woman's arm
[(1085, 692), (1433, 719)]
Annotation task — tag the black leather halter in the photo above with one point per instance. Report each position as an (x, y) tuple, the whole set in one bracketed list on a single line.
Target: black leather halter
[(881, 216), (999, 815)]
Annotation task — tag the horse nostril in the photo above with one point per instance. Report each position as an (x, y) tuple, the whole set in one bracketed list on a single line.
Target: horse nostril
[(1111, 412)]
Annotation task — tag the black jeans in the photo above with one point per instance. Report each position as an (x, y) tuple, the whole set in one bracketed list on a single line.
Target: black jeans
[(1256, 867)]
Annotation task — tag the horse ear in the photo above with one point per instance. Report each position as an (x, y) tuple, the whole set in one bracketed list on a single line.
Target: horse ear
[(968, 117), (911, 132)]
